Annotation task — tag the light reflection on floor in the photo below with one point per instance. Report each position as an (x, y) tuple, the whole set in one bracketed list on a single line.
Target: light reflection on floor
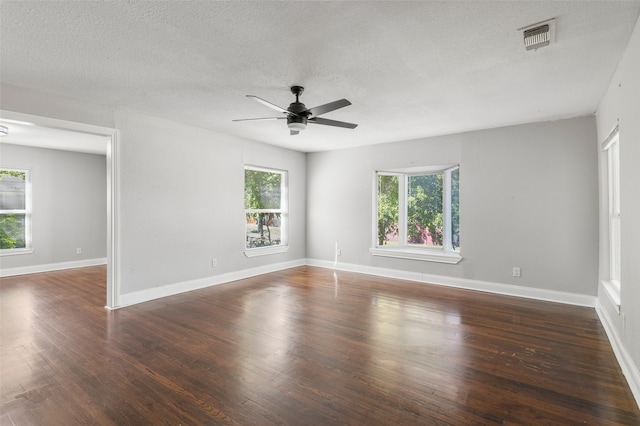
[(20, 348), (269, 336)]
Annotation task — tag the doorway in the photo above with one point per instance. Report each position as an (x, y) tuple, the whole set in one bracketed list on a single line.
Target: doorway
[(44, 132)]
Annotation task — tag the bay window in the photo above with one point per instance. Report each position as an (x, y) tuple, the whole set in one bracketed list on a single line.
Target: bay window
[(417, 214)]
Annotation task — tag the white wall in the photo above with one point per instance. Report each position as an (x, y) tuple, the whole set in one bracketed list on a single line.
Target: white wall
[(528, 198), (69, 206), (621, 103)]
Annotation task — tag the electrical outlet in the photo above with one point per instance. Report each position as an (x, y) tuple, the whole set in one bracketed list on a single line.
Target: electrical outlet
[(516, 271), (78, 250), (214, 263), (339, 252)]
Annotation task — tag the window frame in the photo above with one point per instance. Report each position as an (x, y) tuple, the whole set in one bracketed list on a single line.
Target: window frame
[(611, 147), (444, 254), (283, 210), (27, 211)]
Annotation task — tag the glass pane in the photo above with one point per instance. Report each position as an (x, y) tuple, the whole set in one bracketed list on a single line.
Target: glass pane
[(262, 190), (424, 210), (455, 209), (387, 210), (615, 177), (263, 230), (12, 190), (614, 241), (12, 231)]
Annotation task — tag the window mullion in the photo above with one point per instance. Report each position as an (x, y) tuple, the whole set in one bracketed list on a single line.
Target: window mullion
[(446, 210), (403, 187), (264, 211)]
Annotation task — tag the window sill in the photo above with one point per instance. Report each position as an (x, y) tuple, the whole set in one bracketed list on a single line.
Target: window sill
[(424, 255), (15, 252), (263, 251), (612, 289)]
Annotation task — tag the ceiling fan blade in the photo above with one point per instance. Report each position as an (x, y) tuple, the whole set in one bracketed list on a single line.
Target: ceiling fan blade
[(293, 132), (335, 123), (331, 106), (262, 118), (270, 105)]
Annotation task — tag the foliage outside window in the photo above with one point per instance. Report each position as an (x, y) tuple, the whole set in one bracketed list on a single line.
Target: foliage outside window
[(265, 203), (418, 210), (15, 215)]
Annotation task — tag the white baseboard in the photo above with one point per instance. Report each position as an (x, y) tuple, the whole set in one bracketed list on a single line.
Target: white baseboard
[(629, 369), (49, 267), (181, 287), (490, 287)]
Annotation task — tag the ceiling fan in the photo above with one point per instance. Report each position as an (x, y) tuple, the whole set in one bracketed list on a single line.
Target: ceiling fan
[(298, 115)]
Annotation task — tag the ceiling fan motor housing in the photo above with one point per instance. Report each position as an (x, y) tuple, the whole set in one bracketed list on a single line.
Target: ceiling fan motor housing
[(299, 113)]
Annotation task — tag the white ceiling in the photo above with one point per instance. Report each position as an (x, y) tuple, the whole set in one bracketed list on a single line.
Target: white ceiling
[(411, 69)]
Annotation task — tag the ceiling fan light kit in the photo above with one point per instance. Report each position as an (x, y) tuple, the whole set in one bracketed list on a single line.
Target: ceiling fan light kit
[(296, 125), (298, 115)]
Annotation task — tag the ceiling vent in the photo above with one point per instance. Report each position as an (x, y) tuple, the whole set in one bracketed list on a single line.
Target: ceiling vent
[(539, 35)]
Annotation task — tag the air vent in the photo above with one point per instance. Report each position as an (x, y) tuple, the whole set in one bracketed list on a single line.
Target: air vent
[(538, 35)]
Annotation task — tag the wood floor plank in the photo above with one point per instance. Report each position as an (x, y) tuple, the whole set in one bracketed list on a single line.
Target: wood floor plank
[(301, 346)]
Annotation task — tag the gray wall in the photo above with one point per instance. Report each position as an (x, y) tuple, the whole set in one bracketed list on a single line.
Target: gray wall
[(621, 104), (528, 198), (182, 201), (180, 192), (69, 204)]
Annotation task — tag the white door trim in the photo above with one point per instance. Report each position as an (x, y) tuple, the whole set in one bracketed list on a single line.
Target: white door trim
[(112, 136)]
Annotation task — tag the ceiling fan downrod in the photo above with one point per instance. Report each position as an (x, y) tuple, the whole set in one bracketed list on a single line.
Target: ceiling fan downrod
[(297, 90)]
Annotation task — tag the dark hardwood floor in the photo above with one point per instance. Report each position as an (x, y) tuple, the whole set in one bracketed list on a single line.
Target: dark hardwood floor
[(303, 346)]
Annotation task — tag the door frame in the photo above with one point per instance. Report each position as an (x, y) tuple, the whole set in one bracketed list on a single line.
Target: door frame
[(112, 141)]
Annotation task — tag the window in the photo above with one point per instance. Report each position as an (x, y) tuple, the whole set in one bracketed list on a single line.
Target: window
[(15, 211), (265, 204), (417, 214), (612, 147)]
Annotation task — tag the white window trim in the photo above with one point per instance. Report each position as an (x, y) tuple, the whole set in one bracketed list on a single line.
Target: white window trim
[(15, 252), (428, 254), (424, 254), (284, 211), (611, 147), (27, 212), (612, 290), (263, 251)]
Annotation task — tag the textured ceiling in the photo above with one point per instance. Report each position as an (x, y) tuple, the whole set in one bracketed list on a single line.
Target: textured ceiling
[(411, 69)]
